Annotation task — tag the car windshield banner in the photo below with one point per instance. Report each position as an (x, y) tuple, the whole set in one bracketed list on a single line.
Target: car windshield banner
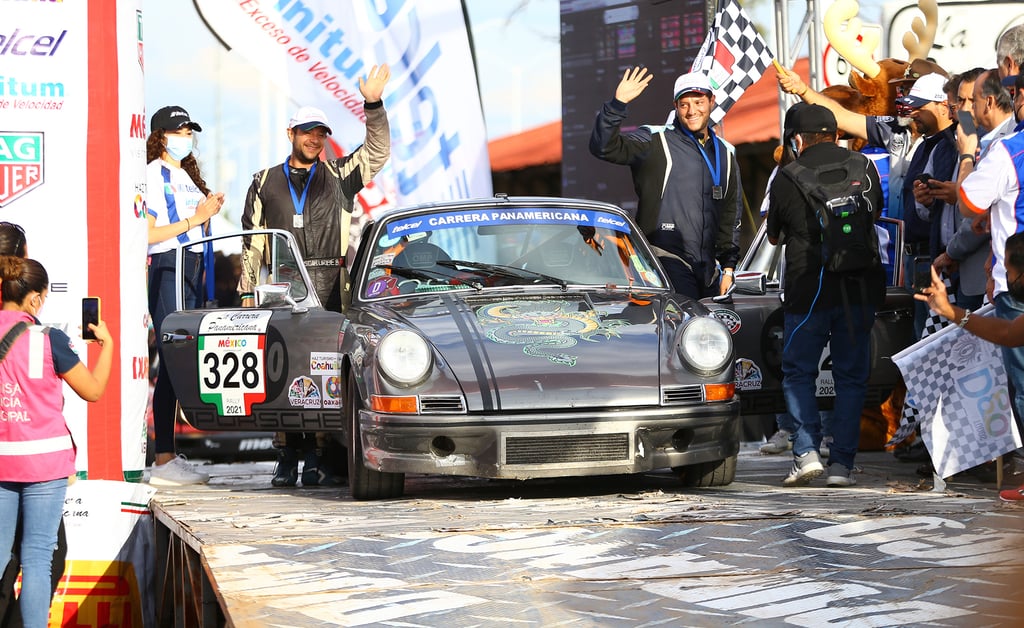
[(317, 50), (519, 216)]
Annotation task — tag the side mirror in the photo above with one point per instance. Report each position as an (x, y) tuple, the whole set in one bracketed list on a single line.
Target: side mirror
[(750, 282), (746, 282), (276, 295)]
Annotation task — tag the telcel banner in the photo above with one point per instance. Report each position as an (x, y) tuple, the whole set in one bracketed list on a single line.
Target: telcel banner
[(316, 50), (72, 174)]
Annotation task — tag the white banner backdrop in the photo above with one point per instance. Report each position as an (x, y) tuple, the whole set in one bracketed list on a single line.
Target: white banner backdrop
[(316, 50), (72, 174), (957, 383)]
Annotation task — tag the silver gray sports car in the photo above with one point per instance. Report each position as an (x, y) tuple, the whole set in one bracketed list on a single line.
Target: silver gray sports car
[(499, 338)]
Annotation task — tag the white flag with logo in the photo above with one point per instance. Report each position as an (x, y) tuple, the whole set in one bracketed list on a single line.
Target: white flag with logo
[(316, 50), (957, 384)]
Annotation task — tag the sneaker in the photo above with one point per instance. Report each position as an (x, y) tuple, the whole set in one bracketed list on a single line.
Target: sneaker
[(838, 475), (825, 447), (1012, 495), (805, 468), (777, 444), (176, 472), (286, 472)]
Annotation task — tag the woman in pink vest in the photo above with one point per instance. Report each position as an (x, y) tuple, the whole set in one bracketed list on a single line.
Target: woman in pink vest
[(37, 454)]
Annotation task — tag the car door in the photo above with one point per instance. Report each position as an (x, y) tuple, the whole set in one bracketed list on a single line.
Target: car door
[(273, 367)]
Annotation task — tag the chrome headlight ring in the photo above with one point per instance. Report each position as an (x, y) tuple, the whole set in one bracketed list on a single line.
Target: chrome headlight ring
[(705, 346), (404, 357)]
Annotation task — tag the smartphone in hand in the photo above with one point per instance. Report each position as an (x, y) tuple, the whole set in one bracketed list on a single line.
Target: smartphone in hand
[(90, 314), (967, 122), (922, 273)]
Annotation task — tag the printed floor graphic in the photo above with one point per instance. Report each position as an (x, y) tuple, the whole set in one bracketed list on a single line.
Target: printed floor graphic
[(638, 551)]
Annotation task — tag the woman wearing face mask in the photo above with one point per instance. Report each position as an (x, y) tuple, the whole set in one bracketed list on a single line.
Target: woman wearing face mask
[(179, 206), (37, 453)]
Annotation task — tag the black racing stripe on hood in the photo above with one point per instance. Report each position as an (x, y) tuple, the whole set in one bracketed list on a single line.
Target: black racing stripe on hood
[(464, 320)]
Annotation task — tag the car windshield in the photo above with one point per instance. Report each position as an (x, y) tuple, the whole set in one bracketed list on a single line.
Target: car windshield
[(498, 247)]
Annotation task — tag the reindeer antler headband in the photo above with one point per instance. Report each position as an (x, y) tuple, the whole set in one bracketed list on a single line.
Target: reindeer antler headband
[(858, 46)]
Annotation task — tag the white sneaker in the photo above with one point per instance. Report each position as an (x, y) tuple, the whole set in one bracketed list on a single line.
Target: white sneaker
[(826, 445), (838, 475), (777, 444), (805, 468), (178, 471)]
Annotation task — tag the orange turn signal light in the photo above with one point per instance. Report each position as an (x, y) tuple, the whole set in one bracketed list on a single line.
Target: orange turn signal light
[(719, 392), (394, 405)]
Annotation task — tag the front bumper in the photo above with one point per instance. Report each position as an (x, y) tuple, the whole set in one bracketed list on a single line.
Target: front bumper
[(551, 444)]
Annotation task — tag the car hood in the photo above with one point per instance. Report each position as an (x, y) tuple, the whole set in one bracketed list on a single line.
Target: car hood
[(521, 353)]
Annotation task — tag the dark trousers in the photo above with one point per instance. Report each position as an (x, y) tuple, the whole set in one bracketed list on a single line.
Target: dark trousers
[(162, 303), (688, 280)]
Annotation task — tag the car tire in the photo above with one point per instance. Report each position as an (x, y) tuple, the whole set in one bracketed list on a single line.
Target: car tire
[(365, 483), (705, 474)]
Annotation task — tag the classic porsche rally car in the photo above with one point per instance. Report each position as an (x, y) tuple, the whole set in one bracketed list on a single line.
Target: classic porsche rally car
[(498, 338)]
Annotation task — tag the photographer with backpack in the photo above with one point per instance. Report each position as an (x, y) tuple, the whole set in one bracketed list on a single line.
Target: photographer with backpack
[(823, 208)]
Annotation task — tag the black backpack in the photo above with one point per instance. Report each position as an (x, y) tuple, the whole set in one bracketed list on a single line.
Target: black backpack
[(849, 243)]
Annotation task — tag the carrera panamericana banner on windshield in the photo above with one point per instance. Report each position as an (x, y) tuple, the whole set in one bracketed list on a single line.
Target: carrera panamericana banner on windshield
[(316, 50)]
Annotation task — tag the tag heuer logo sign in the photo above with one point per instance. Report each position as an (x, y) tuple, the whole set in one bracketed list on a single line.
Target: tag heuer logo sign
[(21, 164)]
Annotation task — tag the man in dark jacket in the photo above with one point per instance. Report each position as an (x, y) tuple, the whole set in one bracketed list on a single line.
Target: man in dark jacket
[(824, 304), (313, 200), (686, 180)]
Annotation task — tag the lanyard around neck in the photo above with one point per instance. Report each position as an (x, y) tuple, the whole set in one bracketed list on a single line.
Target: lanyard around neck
[(716, 170), (298, 201)]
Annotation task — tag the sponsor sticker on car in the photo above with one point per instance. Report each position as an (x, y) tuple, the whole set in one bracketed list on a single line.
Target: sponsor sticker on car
[(232, 360)]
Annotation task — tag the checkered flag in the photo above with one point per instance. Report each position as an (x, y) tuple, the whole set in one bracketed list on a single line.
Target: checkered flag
[(934, 322), (734, 56), (957, 383)]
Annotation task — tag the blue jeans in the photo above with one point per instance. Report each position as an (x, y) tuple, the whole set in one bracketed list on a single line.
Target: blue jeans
[(40, 506), (805, 338), (161, 303), (1013, 357)]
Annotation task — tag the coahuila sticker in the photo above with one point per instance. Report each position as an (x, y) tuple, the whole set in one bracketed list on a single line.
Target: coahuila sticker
[(232, 372), (303, 393), (324, 363)]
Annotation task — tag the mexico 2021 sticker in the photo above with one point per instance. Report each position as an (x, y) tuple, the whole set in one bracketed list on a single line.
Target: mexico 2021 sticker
[(232, 372), (729, 318)]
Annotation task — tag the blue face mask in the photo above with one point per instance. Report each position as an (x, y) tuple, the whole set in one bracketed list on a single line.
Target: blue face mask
[(178, 146)]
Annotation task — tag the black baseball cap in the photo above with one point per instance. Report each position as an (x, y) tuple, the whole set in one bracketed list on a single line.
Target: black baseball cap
[(814, 119), (172, 118)]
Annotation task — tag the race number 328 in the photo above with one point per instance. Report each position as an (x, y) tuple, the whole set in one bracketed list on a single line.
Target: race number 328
[(232, 373)]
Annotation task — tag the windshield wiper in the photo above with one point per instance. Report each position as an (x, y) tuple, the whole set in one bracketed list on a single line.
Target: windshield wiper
[(429, 275), (505, 271)]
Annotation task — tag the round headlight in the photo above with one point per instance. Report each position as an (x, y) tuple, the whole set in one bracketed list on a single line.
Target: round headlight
[(705, 345), (404, 357)]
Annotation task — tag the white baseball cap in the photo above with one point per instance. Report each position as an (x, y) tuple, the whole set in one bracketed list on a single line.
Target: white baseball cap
[(308, 118), (926, 89), (692, 82)]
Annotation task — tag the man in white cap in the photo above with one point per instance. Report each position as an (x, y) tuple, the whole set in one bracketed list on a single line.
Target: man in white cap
[(313, 199), (686, 178)]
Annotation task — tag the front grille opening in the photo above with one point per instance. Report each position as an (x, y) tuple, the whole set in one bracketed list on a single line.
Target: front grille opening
[(567, 448)]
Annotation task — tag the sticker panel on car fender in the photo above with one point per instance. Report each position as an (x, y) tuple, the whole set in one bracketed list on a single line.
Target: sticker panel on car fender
[(729, 318), (748, 375), (304, 393), (232, 372)]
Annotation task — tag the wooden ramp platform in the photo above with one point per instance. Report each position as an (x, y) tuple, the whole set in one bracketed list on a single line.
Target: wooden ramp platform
[(636, 551)]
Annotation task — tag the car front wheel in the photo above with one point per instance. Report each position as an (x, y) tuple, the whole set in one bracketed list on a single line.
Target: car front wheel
[(366, 483), (705, 474)]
